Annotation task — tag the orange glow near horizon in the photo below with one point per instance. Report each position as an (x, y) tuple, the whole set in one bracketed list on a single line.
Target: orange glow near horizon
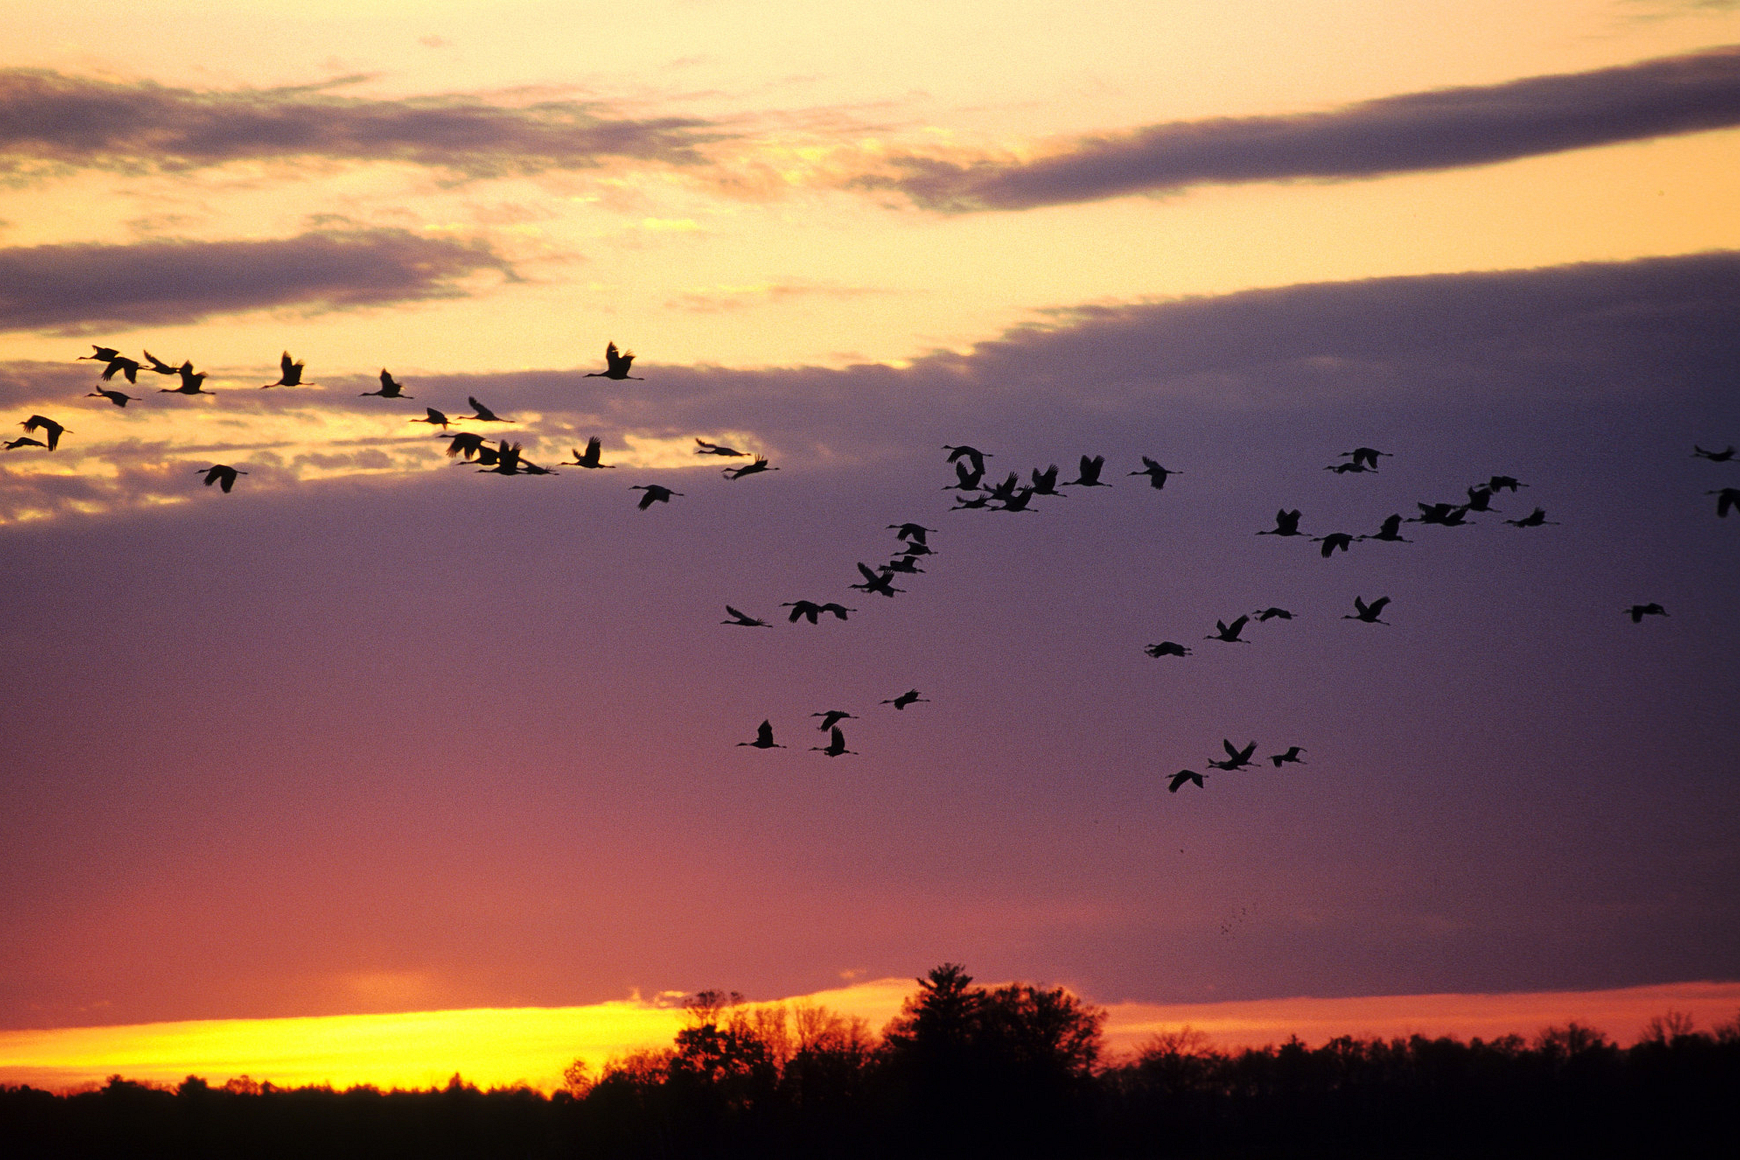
[(500, 1047)]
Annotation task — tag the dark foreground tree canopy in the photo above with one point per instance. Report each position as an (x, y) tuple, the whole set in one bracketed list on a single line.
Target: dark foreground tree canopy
[(963, 1071)]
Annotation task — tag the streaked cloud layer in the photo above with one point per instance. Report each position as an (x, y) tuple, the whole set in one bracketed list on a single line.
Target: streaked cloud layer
[(50, 118), (75, 287), (1417, 131)]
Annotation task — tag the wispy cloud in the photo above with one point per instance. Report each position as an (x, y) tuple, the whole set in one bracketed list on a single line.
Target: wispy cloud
[(49, 119), (1442, 129), (76, 287)]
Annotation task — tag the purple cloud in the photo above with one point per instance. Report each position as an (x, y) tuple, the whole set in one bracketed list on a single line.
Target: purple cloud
[(77, 287), (1443, 129)]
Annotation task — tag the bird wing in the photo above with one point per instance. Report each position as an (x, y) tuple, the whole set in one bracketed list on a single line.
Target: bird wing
[(1236, 626), (1377, 606), (764, 733)]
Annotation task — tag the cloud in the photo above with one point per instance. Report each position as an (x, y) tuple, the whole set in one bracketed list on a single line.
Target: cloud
[(78, 287), (50, 119), (1442, 129)]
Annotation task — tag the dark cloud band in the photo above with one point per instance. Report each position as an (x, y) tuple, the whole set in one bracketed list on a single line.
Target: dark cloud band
[(46, 117), (1418, 131), (71, 288)]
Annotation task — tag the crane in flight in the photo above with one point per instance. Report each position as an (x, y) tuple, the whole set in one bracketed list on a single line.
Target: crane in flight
[(743, 619), (1167, 648), (912, 533), (1533, 520), (702, 447), (1235, 758), (484, 414), (128, 369), (434, 418), (1229, 633), (972, 454), (810, 610), (1726, 500), (906, 699), (1638, 611), (763, 737), (221, 474), (1089, 473), (755, 468), (190, 381), (289, 373), (1721, 456), (655, 493), (1184, 775), (616, 364), (1286, 524), (119, 398), (836, 745), (590, 458), (1333, 541), (1365, 455), (1156, 474), (1368, 613), (390, 388), (881, 583), (160, 366), (1289, 757), (1390, 531), (47, 426), (1264, 615)]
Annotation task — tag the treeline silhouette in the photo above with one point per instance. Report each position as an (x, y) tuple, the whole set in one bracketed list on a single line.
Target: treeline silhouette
[(963, 1071)]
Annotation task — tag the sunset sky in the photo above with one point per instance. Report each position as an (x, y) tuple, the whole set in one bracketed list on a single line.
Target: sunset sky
[(368, 735)]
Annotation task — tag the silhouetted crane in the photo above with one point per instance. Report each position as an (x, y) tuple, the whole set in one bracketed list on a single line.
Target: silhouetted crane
[(966, 478), (881, 583), (972, 454), (743, 619), (1726, 500), (1089, 473), (1017, 502), (484, 414), (912, 532), (1045, 482), (836, 747), (466, 443), (1002, 492), (221, 474), (1286, 524), (763, 737), (969, 503), (1182, 776), (702, 447), (101, 354), (434, 418), (1333, 541), (119, 398), (1365, 455), (160, 366), (1722, 456), (1390, 531), (24, 441), (190, 381), (754, 468), (1533, 520), (1167, 648), (918, 548), (1235, 758), (390, 388), (590, 458), (127, 368), (1291, 756), (1504, 483), (1264, 615), (655, 493), (832, 718), (810, 610), (47, 426), (1368, 612), (1229, 632), (1638, 611), (616, 364), (1480, 499), (1449, 515), (904, 564), (1355, 468), (290, 372), (1155, 473), (906, 698)]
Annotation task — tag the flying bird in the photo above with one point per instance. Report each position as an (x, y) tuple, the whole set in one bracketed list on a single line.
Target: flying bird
[(590, 458), (966, 478), (972, 454), (390, 388), (484, 414), (1229, 632), (904, 564), (221, 474), (434, 418), (1045, 482), (126, 367), (758, 466), (702, 447), (1354, 468), (1390, 531), (915, 533), (1449, 515), (1333, 541), (1726, 499), (743, 619), (881, 583), (832, 718), (1182, 776), (1365, 455), (1504, 483), (1286, 524), (810, 610), (1264, 615), (290, 372), (655, 493), (1167, 648), (119, 398), (836, 746), (616, 364), (1368, 613), (1019, 501), (763, 737), (1089, 474), (1638, 611), (1235, 758), (160, 366), (1722, 456), (1291, 756), (1480, 499), (1533, 520), (1155, 473), (466, 443), (906, 699), (23, 441), (101, 354), (47, 426), (190, 381)]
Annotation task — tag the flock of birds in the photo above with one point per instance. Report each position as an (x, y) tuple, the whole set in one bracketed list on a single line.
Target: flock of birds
[(973, 493)]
